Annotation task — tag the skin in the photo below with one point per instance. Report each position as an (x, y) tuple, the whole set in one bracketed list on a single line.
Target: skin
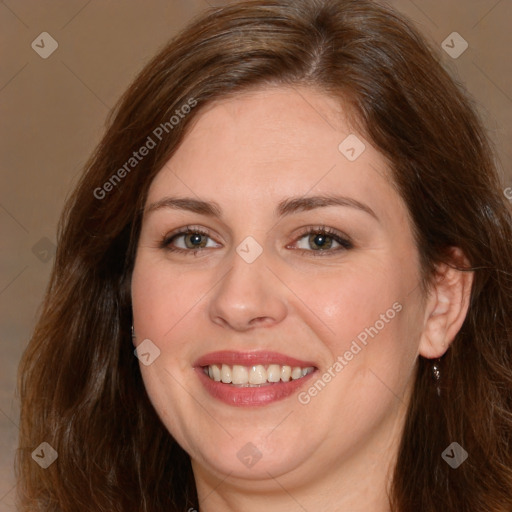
[(247, 153)]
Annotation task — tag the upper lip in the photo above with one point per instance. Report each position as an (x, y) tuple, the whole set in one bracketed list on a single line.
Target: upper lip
[(231, 357)]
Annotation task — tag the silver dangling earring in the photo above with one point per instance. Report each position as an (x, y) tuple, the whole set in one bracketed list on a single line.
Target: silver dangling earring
[(133, 335), (436, 374)]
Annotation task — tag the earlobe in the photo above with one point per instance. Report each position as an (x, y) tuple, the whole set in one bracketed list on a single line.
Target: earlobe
[(446, 306)]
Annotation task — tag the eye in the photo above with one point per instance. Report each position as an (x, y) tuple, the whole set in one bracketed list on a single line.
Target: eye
[(322, 239), (189, 239), (317, 241)]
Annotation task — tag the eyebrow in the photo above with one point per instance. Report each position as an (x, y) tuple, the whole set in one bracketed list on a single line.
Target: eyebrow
[(211, 208), (284, 208), (299, 204)]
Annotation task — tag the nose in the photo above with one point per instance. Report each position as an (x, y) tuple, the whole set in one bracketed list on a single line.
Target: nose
[(248, 296)]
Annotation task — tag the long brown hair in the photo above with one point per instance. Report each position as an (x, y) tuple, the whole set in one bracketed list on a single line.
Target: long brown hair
[(80, 385)]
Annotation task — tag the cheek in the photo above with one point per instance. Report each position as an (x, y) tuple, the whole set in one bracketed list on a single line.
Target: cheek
[(373, 336), (351, 300), (161, 303), (160, 298)]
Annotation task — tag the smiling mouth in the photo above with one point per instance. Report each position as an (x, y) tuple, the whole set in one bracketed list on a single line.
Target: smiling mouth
[(255, 375)]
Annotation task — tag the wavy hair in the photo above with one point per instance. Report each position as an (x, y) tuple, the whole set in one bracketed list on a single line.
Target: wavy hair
[(80, 385)]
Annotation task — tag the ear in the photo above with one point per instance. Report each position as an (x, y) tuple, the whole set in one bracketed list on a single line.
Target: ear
[(446, 306)]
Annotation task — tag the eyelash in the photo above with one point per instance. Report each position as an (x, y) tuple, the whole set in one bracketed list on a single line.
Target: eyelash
[(345, 243)]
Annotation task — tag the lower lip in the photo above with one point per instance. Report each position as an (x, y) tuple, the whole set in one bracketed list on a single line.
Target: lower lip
[(250, 396)]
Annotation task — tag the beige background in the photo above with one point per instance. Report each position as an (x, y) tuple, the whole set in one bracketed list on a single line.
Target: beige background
[(52, 113)]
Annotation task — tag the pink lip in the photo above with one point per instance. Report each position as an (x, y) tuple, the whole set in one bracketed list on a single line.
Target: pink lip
[(250, 358), (250, 397)]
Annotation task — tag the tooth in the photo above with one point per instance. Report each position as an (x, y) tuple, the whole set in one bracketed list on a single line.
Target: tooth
[(225, 374), (296, 373), (286, 372), (255, 375), (240, 375), (258, 375), (216, 372), (274, 373)]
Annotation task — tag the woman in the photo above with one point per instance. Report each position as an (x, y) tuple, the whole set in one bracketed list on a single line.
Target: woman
[(295, 218)]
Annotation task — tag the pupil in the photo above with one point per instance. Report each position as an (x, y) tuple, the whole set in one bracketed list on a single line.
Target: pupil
[(319, 240), (196, 238)]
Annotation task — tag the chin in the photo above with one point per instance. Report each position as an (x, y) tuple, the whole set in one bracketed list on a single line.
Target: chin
[(255, 457)]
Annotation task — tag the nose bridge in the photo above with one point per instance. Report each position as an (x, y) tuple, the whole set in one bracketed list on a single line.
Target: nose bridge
[(248, 294), (243, 276)]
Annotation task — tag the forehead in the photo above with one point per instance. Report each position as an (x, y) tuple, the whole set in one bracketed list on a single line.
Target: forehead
[(267, 144), (271, 124)]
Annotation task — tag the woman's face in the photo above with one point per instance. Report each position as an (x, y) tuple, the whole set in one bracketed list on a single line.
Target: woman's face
[(273, 248)]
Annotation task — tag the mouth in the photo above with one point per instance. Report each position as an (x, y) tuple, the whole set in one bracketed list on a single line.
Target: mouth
[(252, 378)]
